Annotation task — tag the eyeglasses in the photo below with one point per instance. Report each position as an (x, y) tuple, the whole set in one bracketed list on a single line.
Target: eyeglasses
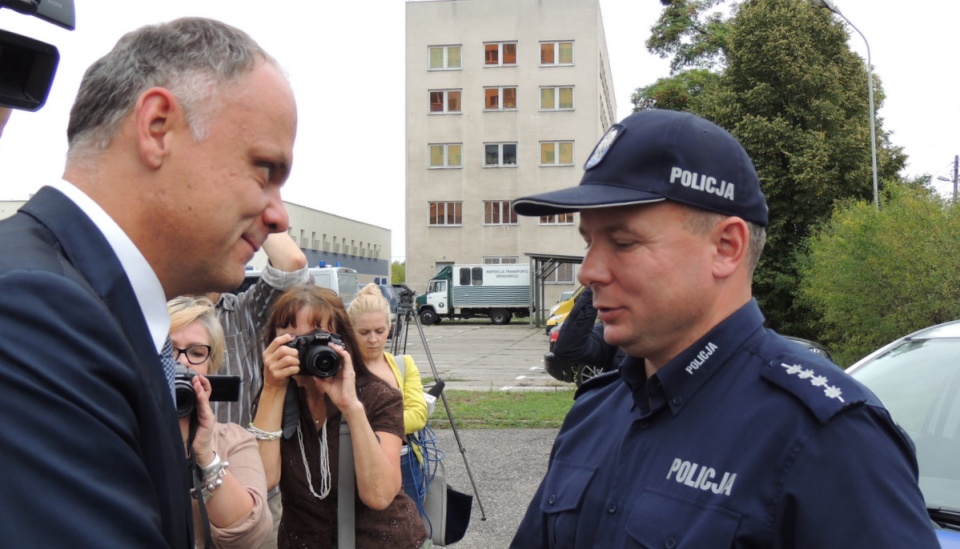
[(196, 354)]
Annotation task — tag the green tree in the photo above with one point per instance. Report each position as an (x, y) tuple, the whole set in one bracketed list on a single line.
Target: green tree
[(875, 275), (795, 95), (680, 92), (692, 33), (398, 272)]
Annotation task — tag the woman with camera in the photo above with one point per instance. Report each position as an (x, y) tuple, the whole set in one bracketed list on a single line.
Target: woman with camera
[(229, 468), (306, 463), (370, 316)]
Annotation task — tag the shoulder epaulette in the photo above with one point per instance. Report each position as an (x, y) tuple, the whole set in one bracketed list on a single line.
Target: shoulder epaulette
[(818, 383)]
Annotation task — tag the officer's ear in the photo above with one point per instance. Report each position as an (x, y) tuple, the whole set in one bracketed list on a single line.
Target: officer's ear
[(731, 238)]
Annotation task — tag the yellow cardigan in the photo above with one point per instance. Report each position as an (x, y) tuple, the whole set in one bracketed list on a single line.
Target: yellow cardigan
[(414, 405)]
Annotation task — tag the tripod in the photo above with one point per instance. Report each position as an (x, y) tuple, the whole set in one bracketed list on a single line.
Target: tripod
[(398, 347)]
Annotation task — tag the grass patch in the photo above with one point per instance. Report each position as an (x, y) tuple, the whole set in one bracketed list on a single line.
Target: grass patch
[(504, 409)]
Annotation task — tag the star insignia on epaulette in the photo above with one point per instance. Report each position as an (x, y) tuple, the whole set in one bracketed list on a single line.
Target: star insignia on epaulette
[(817, 381)]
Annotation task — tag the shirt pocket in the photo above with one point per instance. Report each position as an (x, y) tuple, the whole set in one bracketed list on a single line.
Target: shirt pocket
[(563, 492), (665, 520)]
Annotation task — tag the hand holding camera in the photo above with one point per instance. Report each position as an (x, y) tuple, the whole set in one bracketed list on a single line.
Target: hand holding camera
[(317, 358)]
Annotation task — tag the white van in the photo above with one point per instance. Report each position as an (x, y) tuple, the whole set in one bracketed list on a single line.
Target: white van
[(342, 280)]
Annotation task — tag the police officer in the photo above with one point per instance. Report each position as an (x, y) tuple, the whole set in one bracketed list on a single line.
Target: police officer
[(724, 434)]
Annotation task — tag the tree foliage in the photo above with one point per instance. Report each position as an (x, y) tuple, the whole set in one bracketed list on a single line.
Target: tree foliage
[(398, 272), (693, 33), (680, 92), (873, 275), (795, 95)]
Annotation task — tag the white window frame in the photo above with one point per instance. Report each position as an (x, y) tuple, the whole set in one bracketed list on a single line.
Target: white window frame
[(556, 152), (556, 98), (446, 156), (447, 204), (558, 219), (500, 147), (446, 101), (501, 260), (556, 53), (554, 277), (505, 213), (500, 45), (446, 57), (500, 101)]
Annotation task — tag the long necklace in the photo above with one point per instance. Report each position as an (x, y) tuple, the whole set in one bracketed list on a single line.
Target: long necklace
[(324, 463)]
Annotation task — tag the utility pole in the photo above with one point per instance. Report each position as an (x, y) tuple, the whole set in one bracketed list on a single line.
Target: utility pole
[(956, 164)]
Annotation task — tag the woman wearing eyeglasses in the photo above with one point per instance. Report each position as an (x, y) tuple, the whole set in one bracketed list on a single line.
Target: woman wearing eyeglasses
[(233, 484)]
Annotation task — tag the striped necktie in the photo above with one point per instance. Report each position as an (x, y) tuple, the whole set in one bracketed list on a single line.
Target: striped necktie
[(169, 366)]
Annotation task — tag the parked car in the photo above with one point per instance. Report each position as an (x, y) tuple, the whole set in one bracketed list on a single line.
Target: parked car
[(564, 370), (811, 346), (917, 377), (560, 311)]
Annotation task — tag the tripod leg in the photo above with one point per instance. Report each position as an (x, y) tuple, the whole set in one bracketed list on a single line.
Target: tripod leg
[(446, 407)]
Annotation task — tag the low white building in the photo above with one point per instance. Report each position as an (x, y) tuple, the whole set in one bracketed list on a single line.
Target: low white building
[(324, 238)]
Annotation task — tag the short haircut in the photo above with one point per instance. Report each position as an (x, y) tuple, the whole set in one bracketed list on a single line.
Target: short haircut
[(700, 221), (185, 310), (195, 58), (324, 307), (369, 300)]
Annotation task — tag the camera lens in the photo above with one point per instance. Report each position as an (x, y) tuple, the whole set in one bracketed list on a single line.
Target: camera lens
[(321, 361), (186, 397)]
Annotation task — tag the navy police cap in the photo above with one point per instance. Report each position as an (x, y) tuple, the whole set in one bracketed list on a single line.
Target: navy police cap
[(656, 155)]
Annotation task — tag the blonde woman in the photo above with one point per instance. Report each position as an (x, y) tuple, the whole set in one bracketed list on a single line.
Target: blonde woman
[(370, 316), (234, 483)]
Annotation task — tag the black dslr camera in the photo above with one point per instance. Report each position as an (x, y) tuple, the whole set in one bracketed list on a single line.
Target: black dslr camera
[(316, 356), (27, 66), (222, 388)]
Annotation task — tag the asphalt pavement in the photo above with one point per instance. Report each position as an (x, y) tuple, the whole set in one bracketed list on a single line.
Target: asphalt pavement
[(506, 465), (501, 467), (480, 356)]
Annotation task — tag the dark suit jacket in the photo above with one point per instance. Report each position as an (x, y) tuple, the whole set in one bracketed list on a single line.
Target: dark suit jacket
[(92, 454)]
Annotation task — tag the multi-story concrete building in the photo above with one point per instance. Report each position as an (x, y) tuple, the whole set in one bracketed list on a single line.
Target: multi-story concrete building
[(504, 98), (323, 237)]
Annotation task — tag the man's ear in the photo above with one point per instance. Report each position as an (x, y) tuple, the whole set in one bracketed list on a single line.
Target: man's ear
[(157, 114), (732, 240)]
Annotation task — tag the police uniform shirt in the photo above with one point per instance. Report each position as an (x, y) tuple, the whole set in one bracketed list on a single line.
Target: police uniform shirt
[(743, 440)]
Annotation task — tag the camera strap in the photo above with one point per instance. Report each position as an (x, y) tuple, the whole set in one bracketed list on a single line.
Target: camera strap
[(197, 482), (346, 528)]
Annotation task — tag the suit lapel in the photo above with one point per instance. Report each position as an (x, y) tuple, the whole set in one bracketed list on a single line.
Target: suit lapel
[(88, 251)]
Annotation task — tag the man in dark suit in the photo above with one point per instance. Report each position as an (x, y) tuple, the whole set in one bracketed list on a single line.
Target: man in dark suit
[(179, 141)]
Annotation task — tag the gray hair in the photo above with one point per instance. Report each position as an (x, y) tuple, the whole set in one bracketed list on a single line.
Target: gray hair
[(700, 221), (192, 57)]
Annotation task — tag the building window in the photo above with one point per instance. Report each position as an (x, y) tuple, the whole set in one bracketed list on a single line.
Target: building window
[(444, 58), (445, 155), (499, 54), (444, 101), (556, 153), (556, 98), (556, 53), (499, 154), (507, 260), (500, 98), (498, 212), (557, 219), (562, 275), (446, 213)]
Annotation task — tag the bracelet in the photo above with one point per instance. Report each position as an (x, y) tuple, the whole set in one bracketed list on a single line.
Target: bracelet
[(260, 434), (211, 477)]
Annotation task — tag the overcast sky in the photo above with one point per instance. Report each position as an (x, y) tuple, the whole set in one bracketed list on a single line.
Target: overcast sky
[(349, 154)]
